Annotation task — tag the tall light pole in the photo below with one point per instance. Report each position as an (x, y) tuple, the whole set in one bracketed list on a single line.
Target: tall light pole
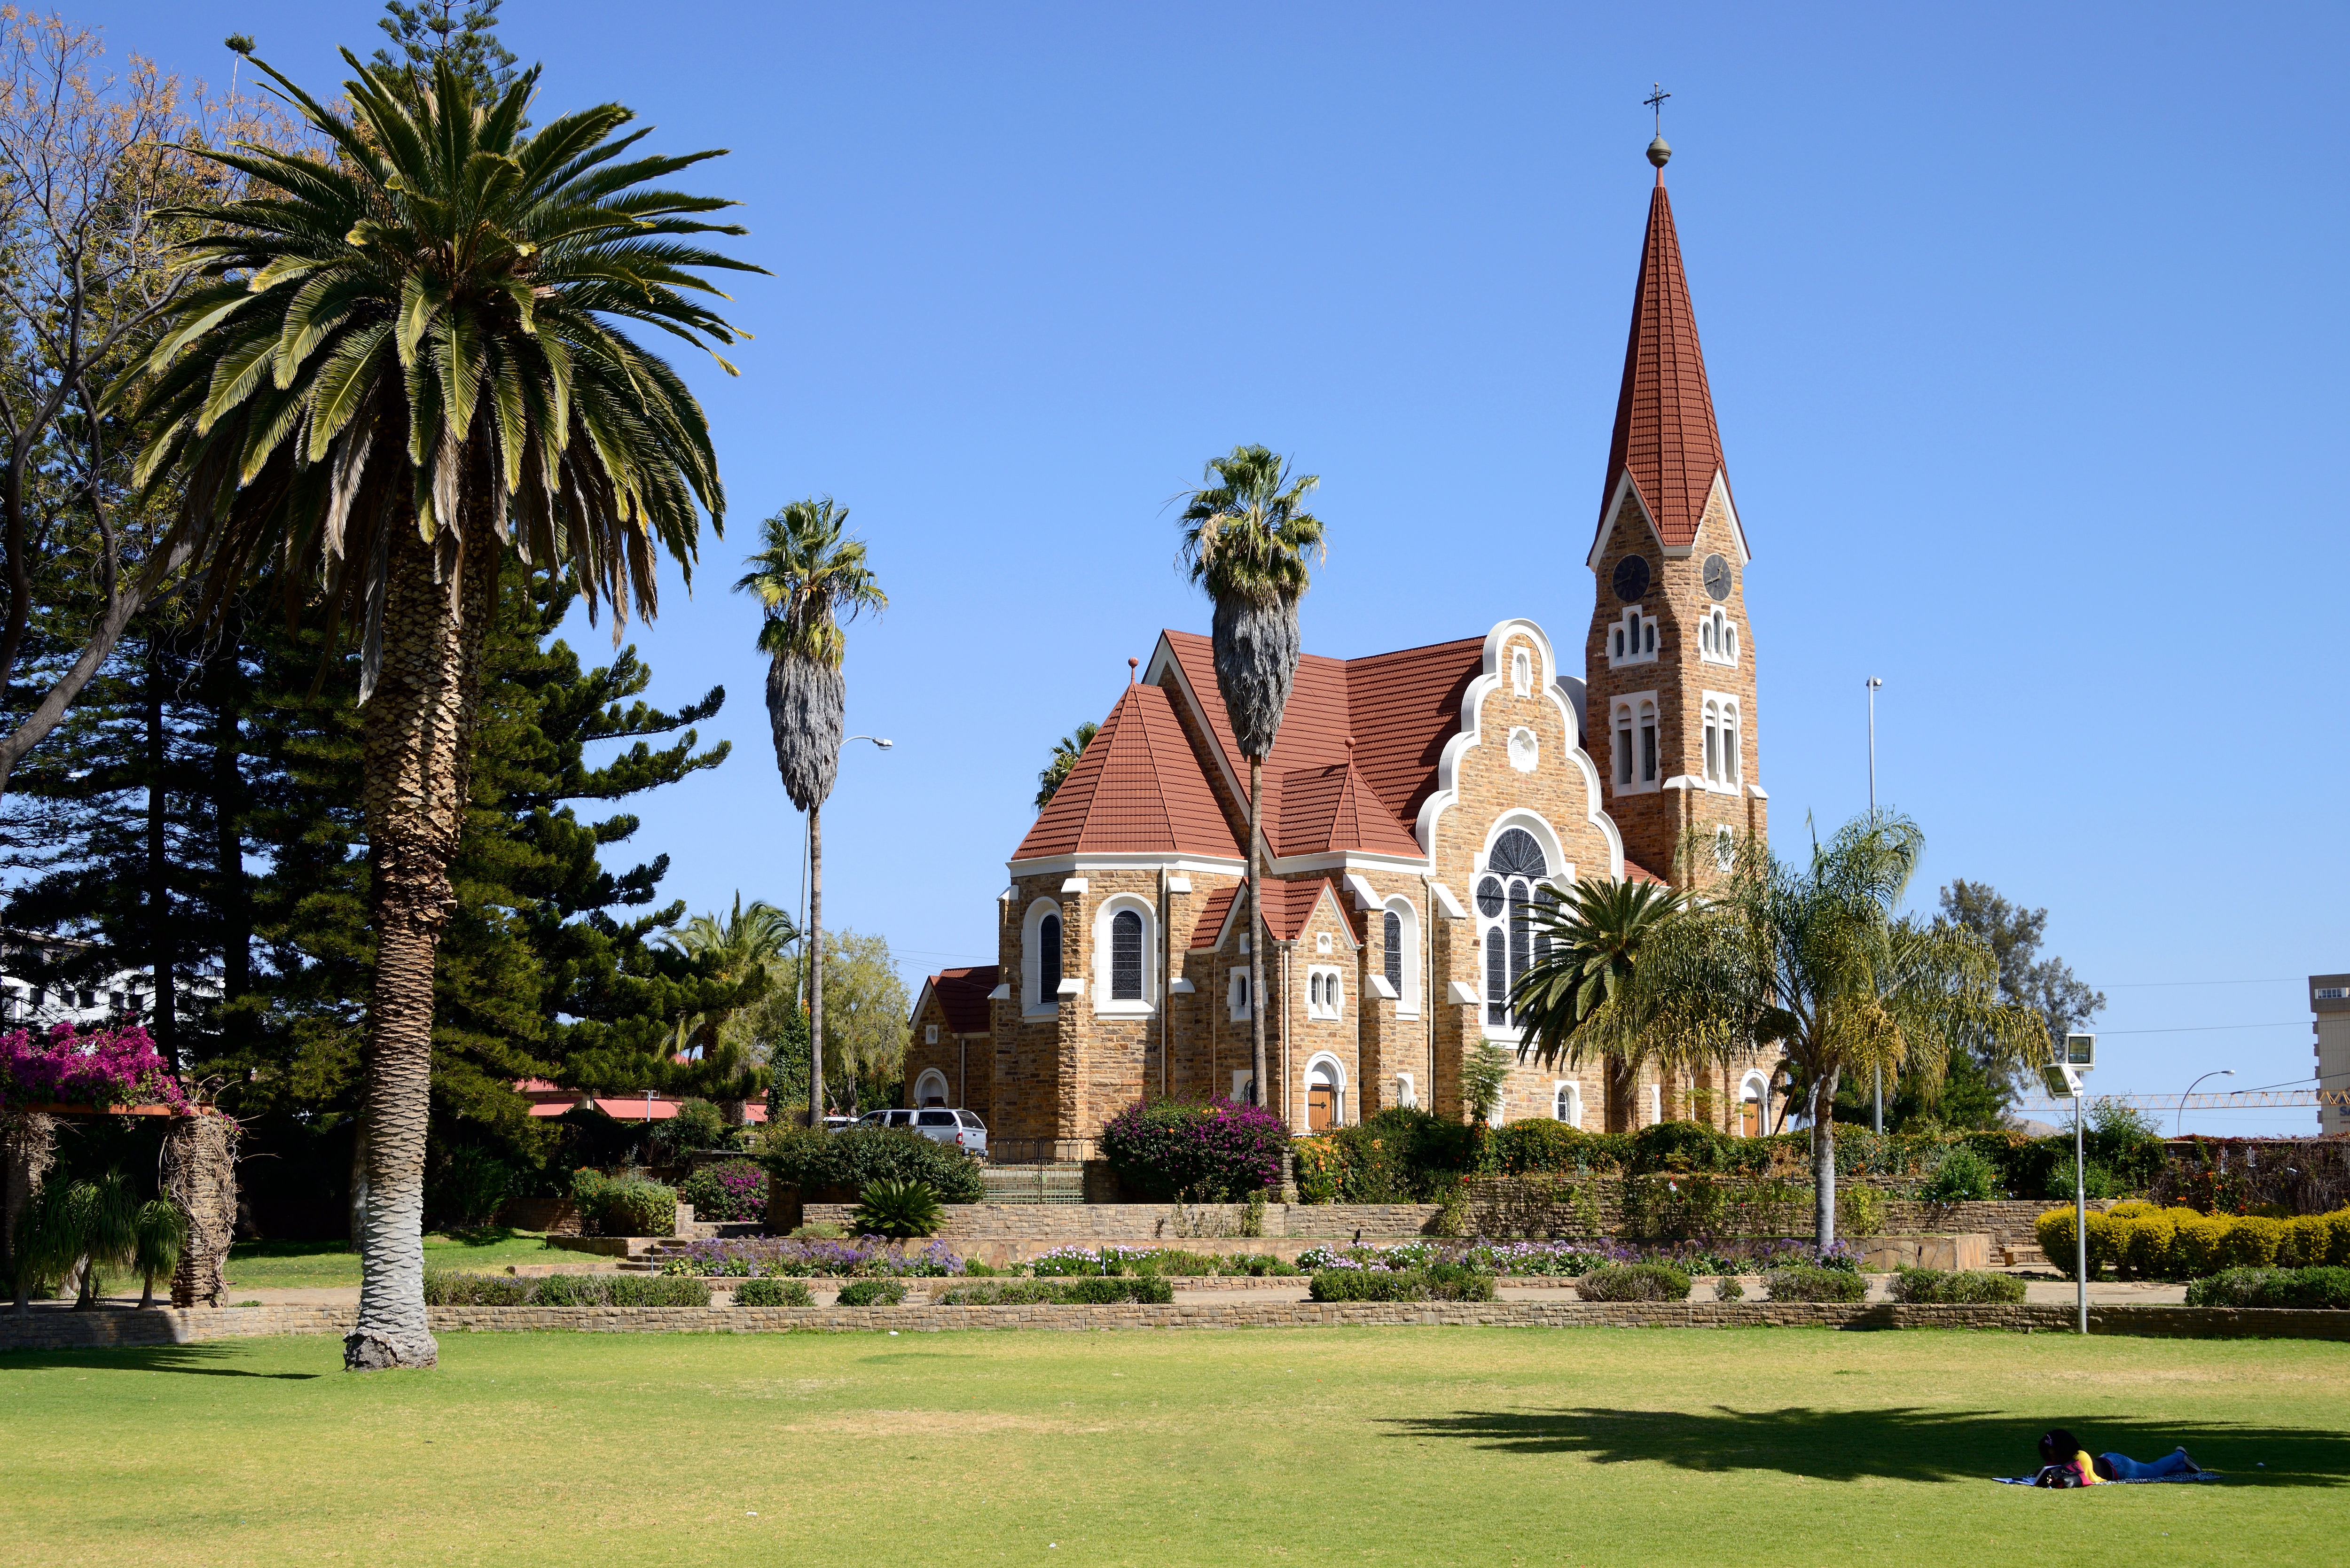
[(1877, 1116), (2180, 1126), (814, 968)]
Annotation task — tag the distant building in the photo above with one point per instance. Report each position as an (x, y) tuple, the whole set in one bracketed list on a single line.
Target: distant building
[(46, 981), (2329, 998)]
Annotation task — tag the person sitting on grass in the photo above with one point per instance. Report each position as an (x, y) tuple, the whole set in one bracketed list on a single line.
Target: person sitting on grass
[(2064, 1462)]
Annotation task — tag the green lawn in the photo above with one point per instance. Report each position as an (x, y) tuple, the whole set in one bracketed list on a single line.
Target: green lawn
[(280, 1265), (1342, 1446)]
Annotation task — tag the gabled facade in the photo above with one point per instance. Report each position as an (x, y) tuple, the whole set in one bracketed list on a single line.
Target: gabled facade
[(1414, 804)]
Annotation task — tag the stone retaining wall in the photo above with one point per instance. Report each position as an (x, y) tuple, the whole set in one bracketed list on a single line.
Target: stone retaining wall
[(1058, 1224), (61, 1329)]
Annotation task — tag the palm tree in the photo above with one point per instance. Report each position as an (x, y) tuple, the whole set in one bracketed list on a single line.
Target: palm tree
[(405, 363), (742, 949), (1815, 959), (1065, 752), (1573, 1000), (1245, 540), (806, 576)]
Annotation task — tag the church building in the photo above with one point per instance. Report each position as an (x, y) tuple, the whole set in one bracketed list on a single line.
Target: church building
[(1413, 802)]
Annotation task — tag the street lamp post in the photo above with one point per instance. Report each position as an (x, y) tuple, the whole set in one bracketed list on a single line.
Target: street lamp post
[(813, 927), (1876, 1113), (2181, 1124)]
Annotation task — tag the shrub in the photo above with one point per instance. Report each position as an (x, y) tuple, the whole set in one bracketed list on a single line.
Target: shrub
[(464, 1187), (1368, 1286), (731, 1190), (624, 1205), (2101, 1182), (820, 1230), (1814, 1284), (447, 1287), (1002, 1292), (1634, 1283), (773, 1292), (872, 1292), (1860, 1209), (1459, 1283), (1102, 1291), (571, 1290), (652, 1291), (855, 1158), (1963, 1177), (1729, 1288), (900, 1210), (2150, 1243), (2318, 1287), (1216, 1152), (697, 1125), (1942, 1286)]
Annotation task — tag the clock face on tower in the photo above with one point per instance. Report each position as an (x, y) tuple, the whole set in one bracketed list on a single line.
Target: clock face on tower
[(1718, 578), (1631, 579)]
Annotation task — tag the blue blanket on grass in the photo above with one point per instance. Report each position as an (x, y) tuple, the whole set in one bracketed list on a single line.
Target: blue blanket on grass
[(2034, 1480)]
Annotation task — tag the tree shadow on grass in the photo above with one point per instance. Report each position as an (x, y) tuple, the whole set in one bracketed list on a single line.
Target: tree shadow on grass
[(1899, 1444), (200, 1360)]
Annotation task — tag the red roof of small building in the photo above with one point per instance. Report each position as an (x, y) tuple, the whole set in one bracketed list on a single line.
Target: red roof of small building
[(1137, 787), (1213, 919), (962, 998), (1288, 904), (1665, 431)]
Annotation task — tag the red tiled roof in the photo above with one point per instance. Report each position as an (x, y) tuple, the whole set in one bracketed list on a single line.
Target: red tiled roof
[(1288, 905), (1212, 917), (1400, 708), (962, 997), (1665, 431), (1635, 872), (1138, 787)]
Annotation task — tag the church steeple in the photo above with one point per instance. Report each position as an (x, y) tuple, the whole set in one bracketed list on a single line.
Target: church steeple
[(1665, 437), (1668, 709)]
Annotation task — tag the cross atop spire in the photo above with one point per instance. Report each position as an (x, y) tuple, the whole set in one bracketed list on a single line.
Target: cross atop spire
[(1658, 151)]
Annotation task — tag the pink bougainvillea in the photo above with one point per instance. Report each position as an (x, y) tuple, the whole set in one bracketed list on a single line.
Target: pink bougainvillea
[(111, 1066)]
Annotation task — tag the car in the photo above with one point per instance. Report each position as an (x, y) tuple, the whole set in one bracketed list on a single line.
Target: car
[(839, 1124), (961, 1128)]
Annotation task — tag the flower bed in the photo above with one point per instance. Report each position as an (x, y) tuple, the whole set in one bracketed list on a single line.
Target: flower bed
[(730, 1191), (1070, 1261), (870, 1257), (1217, 1152), (105, 1067), (1574, 1259)]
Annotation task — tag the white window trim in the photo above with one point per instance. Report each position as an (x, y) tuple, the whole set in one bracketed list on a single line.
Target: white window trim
[(1233, 1001), (1032, 959), (1545, 839), (1642, 629), (1521, 672), (1573, 1092), (1407, 1001), (946, 1091), (1129, 1007), (1755, 1089), (1713, 707), (1718, 621), (929, 1033), (1652, 1104), (1240, 1077), (1624, 756), (1332, 984), (1407, 1093)]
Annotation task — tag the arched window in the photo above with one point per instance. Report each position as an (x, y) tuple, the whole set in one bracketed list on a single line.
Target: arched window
[(1497, 976), (1722, 758), (1717, 636), (1323, 993), (1126, 956), (1048, 962), (1391, 946), (1632, 639), (1566, 1103), (1505, 895)]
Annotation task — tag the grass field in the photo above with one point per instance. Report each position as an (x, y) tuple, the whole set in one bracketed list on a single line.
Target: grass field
[(282, 1265), (1340, 1446)]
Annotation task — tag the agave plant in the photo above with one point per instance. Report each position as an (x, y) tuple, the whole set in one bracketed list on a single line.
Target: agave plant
[(1245, 540), (405, 362), (898, 1209)]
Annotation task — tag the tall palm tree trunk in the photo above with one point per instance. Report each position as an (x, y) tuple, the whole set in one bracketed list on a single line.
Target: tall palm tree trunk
[(1823, 1196), (815, 966), (1257, 930), (416, 734)]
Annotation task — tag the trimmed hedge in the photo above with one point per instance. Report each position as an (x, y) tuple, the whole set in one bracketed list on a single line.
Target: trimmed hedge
[(1150, 1290), (1437, 1283), (623, 1205), (1810, 1285), (1962, 1287), (2141, 1241), (444, 1287), (812, 1160), (773, 1294), (873, 1293), (2326, 1288), (1634, 1283)]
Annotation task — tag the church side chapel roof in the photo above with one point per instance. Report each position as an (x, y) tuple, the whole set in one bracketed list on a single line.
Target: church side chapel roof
[(1665, 432), (1399, 708), (1289, 904), (1218, 913), (1138, 787), (963, 996)]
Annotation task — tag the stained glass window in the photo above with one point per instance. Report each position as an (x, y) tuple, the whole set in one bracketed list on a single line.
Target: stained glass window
[(1515, 854), (1126, 956), (1489, 897), (1497, 978), (1392, 938)]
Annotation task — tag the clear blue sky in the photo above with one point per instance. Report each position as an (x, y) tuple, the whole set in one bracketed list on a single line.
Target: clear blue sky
[(2026, 331)]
